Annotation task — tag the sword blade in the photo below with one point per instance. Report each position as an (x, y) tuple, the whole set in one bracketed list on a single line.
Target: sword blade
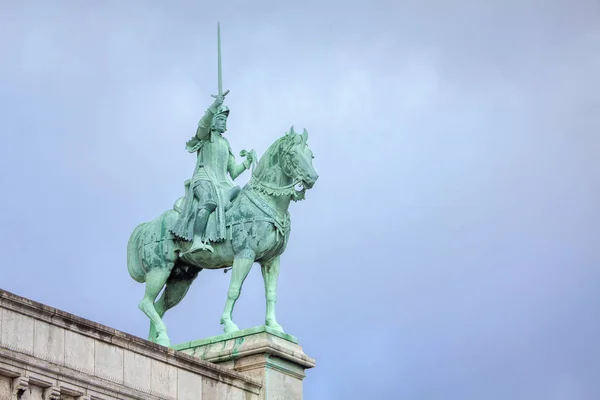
[(220, 72)]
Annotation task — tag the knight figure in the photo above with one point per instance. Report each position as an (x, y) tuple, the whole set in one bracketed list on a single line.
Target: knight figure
[(202, 217)]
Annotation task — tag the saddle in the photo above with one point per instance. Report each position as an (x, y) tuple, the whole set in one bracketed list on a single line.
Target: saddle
[(233, 193)]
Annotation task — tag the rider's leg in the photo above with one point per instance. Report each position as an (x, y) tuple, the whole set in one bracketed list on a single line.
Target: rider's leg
[(200, 228), (204, 192)]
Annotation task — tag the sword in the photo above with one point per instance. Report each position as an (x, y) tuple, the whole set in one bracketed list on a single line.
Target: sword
[(219, 67)]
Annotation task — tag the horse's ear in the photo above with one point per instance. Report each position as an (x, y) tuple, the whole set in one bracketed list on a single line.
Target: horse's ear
[(304, 135), (291, 132)]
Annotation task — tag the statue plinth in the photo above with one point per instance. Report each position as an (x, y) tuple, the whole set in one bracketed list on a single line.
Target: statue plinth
[(273, 357)]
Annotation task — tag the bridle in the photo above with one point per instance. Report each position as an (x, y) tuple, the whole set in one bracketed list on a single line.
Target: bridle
[(289, 167)]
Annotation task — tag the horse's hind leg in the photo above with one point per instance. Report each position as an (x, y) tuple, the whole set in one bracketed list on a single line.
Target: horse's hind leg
[(155, 281), (174, 292)]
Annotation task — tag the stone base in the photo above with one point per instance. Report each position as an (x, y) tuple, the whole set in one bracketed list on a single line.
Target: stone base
[(274, 358)]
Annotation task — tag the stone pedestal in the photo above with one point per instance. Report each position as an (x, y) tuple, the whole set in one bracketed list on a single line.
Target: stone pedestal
[(274, 358)]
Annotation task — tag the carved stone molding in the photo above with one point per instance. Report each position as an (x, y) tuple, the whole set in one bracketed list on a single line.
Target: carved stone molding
[(52, 393), (20, 385)]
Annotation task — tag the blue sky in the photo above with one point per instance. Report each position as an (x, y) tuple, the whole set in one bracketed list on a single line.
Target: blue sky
[(450, 247)]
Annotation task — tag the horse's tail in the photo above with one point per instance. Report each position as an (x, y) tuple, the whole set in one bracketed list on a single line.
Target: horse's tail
[(134, 263)]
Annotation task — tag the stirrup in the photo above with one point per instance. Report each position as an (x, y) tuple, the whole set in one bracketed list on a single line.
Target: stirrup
[(202, 247)]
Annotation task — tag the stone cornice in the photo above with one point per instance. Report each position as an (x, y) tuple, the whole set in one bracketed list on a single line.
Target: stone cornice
[(126, 341)]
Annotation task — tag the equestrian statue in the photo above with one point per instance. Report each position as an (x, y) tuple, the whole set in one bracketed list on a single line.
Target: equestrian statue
[(216, 224)]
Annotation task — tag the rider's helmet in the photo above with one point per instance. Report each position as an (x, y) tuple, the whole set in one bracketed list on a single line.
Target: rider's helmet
[(222, 110)]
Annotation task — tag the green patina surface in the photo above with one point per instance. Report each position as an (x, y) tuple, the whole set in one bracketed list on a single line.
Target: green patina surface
[(235, 335), (217, 224)]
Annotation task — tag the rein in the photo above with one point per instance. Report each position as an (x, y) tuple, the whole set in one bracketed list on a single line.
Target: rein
[(272, 190), (256, 182)]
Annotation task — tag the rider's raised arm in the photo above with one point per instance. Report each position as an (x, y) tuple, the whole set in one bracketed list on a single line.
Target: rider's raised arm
[(204, 125)]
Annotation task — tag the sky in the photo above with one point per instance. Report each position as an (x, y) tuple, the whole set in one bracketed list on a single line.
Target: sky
[(449, 250)]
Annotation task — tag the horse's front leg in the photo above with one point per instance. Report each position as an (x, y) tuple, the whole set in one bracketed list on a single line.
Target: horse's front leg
[(270, 273), (242, 263)]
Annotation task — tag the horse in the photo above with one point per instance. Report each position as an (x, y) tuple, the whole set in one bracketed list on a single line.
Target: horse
[(258, 228)]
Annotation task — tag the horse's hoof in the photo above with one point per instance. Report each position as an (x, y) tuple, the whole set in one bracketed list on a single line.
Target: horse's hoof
[(230, 326), (163, 340), (275, 326)]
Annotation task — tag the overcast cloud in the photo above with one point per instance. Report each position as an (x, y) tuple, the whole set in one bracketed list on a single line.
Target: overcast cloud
[(450, 247)]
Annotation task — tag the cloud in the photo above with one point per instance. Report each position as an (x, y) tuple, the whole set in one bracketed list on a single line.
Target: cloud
[(451, 238)]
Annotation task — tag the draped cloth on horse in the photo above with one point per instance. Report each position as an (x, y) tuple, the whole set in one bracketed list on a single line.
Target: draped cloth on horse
[(213, 163)]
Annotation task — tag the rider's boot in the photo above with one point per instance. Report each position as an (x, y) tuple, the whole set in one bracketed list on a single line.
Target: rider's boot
[(199, 228)]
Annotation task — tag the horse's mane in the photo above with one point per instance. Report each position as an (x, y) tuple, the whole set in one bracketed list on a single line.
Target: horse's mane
[(271, 156)]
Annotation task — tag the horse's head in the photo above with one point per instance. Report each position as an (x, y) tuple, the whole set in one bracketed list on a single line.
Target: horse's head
[(297, 159), (291, 156)]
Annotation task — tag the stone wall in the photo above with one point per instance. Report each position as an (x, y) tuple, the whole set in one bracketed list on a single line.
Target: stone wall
[(49, 354)]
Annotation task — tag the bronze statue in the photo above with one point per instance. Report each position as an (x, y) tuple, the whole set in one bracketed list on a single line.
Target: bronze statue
[(216, 225)]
